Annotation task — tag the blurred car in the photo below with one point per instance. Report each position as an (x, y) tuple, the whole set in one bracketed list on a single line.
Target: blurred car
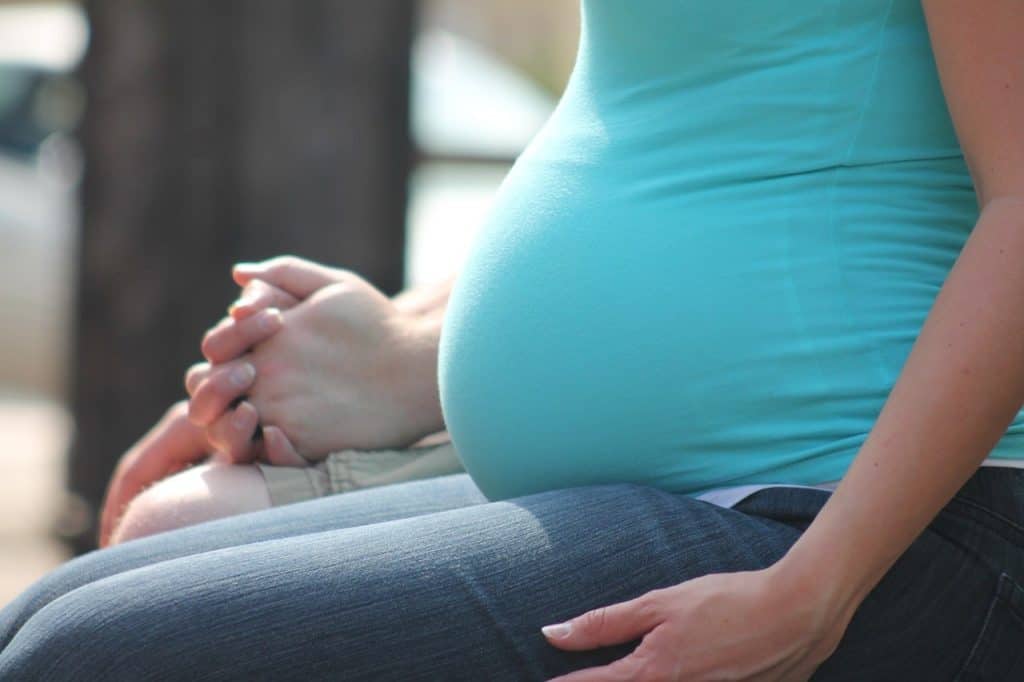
[(40, 43), (21, 133)]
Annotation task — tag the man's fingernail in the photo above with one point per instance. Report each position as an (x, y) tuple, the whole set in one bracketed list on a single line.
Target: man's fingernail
[(557, 631), (242, 302), (271, 319), (243, 375), (240, 419), (246, 267)]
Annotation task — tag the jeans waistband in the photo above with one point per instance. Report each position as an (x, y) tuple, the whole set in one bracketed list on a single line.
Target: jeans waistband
[(992, 495), (995, 496)]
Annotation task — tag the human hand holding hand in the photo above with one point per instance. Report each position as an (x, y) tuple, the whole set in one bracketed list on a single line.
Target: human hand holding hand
[(345, 368), (757, 626), (230, 428)]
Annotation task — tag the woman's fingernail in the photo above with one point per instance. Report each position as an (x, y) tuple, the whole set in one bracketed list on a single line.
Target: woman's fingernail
[(242, 375), (245, 267), (559, 631)]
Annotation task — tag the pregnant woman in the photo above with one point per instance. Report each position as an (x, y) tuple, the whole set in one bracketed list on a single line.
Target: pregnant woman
[(735, 370)]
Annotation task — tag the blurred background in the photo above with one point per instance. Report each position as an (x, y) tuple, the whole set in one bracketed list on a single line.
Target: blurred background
[(145, 147)]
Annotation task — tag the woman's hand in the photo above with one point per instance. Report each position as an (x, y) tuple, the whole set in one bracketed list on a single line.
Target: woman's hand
[(344, 369), (754, 625)]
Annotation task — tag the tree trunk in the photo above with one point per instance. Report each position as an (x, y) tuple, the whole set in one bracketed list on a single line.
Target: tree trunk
[(218, 132)]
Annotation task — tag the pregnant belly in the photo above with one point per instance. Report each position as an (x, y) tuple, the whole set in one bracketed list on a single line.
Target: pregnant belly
[(590, 339)]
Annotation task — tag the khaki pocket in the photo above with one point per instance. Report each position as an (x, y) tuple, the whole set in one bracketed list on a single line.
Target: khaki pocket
[(357, 469)]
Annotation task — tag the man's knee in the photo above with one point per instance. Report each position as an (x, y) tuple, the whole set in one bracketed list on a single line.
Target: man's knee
[(203, 493)]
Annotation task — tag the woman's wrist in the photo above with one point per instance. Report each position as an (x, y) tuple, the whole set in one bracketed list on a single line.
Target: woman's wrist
[(820, 594), (807, 574)]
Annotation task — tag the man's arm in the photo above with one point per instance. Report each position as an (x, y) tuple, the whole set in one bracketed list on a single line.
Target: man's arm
[(427, 299), (345, 368)]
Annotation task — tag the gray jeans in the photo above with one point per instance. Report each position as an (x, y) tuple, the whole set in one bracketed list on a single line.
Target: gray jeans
[(429, 581)]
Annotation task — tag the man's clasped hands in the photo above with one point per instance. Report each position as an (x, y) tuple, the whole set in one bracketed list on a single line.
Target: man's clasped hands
[(310, 360)]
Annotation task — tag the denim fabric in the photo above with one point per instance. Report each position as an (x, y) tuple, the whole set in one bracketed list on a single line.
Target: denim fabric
[(429, 581)]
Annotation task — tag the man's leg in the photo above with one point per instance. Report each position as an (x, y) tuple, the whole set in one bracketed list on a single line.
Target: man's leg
[(215, 491), (203, 493)]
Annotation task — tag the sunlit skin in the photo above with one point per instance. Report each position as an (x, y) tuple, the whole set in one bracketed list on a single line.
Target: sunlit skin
[(782, 622), (346, 369), (283, 389)]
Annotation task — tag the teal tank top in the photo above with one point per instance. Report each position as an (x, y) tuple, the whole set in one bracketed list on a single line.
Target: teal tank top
[(710, 265)]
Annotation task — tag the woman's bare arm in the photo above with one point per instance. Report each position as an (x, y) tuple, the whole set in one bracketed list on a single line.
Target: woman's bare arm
[(960, 388), (963, 381)]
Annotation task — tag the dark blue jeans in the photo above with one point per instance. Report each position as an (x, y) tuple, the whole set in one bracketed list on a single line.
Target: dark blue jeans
[(429, 581)]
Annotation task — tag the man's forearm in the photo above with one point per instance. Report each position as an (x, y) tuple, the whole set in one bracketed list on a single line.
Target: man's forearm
[(425, 300), (425, 305), (959, 390)]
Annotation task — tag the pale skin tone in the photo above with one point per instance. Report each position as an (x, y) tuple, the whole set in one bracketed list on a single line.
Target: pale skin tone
[(782, 622), (388, 397), (329, 373)]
